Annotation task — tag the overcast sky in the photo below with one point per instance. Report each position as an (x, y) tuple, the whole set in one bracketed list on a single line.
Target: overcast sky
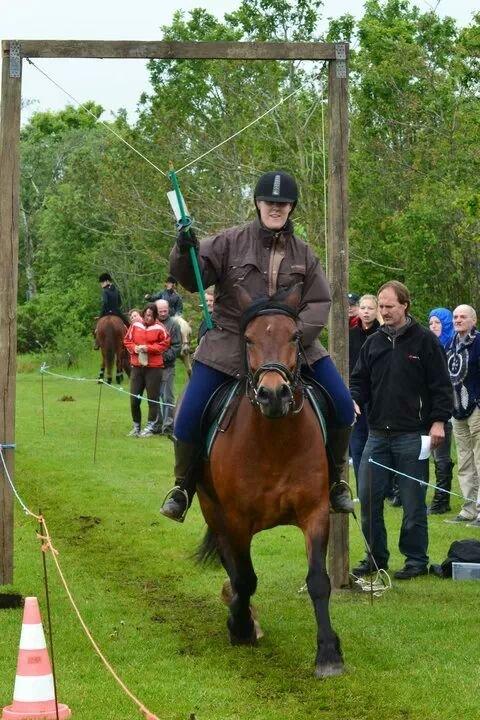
[(119, 83)]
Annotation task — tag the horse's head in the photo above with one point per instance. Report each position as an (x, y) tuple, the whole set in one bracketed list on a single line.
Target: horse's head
[(272, 345)]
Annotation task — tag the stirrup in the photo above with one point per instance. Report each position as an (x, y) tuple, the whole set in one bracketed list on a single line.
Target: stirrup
[(332, 488), (176, 488)]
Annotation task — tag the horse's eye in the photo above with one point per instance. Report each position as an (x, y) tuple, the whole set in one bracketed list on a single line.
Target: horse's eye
[(296, 336), (248, 341)]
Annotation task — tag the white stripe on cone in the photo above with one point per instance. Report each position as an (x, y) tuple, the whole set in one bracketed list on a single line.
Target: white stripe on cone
[(32, 637), (29, 688)]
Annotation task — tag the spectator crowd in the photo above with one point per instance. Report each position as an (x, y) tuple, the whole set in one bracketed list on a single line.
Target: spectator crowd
[(413, 387)]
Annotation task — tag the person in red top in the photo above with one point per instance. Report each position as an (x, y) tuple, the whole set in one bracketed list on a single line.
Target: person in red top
[(353, 309), (146, 342)]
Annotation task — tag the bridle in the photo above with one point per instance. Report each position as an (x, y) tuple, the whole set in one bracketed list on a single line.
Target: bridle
[(291, 378)]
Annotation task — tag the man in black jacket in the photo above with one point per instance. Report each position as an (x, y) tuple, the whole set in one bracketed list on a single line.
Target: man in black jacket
[(170, 294), (402, 375)]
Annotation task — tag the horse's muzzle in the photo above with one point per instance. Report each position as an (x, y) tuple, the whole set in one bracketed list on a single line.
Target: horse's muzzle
[(274, 402)]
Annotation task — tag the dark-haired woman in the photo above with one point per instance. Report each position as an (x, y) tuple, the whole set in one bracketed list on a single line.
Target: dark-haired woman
[(146, 342)]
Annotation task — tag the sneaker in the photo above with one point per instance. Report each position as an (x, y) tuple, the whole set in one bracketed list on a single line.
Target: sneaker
[(475, 523), (135, 431), (459, 519), (366, 567), (148, 430), (407, 573)]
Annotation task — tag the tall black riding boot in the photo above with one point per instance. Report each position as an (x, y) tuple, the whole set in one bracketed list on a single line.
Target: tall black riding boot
[(337, 453), (179, 499), (441, 500)]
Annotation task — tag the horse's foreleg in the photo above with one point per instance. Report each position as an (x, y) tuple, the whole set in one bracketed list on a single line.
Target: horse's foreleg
[(240, 623), (329, 660)]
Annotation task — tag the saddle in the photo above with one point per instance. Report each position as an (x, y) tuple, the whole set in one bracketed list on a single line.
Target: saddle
[(224, 403)]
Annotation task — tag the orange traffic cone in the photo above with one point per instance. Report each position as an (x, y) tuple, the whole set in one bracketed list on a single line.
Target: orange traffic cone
[(33, 695)]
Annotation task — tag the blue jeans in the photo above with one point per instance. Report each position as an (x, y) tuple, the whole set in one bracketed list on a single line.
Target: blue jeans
[(358, 439), (401, 453), (205, 380)]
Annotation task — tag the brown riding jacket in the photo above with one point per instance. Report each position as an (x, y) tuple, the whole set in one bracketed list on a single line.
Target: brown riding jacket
[(262, 261)]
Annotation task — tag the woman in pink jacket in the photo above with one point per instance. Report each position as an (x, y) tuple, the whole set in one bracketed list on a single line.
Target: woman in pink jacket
[(146, 342)]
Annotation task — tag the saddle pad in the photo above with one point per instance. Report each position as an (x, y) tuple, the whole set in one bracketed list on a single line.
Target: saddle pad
[(217, 409), (215, 412)]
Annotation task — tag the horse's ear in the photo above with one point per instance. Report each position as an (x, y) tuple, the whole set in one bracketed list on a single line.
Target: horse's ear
[(294, 296), (243, 298)]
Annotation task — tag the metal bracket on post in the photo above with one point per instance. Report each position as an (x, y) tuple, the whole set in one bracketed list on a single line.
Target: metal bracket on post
[(15, 59), (341, 58)]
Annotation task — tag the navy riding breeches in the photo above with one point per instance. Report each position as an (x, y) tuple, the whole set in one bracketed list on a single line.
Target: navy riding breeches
[(205, 380)]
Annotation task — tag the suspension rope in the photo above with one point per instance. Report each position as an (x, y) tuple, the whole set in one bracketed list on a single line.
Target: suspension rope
[(284, 99), (324, 158), (105, 125)]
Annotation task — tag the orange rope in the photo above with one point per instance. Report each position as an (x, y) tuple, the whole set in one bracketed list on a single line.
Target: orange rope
[(49, 546)]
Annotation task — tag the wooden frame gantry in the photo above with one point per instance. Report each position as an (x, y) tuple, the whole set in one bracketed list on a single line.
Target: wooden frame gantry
[(12, 54)]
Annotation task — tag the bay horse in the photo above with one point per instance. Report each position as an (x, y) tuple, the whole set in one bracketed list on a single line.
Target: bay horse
[(268, 468), (109, 332)]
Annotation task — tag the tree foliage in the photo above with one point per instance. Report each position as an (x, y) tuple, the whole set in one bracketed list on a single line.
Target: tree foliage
[(90, 204)]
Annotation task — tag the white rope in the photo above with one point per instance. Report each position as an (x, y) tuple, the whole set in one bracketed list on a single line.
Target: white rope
[(284, 99), (25, 509), (44, 370), (422, 482), (105, 125), (325, 216)]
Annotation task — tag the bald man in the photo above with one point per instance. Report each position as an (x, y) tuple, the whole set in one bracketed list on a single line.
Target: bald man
[(463, 358)]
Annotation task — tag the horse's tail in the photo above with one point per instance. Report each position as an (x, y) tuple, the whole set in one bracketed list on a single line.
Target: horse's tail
[(208, 552)]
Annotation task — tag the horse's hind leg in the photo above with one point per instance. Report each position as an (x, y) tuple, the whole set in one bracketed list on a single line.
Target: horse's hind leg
[(329, 660), (119, 373)]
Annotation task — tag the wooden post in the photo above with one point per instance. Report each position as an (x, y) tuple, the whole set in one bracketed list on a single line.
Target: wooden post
[(9, 209), (337, 263)]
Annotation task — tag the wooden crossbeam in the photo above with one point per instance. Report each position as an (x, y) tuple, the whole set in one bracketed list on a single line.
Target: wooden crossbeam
[(138, 49)]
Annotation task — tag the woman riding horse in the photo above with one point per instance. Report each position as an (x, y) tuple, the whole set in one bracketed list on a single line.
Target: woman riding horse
[(262, 256)]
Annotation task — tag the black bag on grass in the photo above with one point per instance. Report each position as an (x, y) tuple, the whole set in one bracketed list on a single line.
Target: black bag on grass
[(466, 551)]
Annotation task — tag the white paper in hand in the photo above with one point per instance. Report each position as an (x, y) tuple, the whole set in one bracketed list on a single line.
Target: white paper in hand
[(426, 447)]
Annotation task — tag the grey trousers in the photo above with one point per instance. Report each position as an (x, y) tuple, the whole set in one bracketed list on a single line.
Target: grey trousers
[(167, 400)]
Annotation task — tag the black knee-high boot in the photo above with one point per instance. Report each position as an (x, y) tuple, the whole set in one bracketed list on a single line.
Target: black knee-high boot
[(179, 499), (337, 453), (441, 500)]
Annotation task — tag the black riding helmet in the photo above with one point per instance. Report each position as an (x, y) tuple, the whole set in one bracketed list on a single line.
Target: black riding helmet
[(276, 186)]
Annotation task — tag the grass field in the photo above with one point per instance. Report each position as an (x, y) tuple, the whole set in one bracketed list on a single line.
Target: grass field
[(158, 617)]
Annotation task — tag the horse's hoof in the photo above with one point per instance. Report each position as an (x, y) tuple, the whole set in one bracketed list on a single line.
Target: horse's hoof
[(247, 638), (251, 640), (329, 670)]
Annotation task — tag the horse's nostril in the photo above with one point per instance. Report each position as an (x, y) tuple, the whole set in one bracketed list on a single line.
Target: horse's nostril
[(285, 393), (263, 394)]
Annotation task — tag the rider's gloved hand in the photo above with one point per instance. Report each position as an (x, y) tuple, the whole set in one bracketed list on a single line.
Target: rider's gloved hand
[(187, 239)]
